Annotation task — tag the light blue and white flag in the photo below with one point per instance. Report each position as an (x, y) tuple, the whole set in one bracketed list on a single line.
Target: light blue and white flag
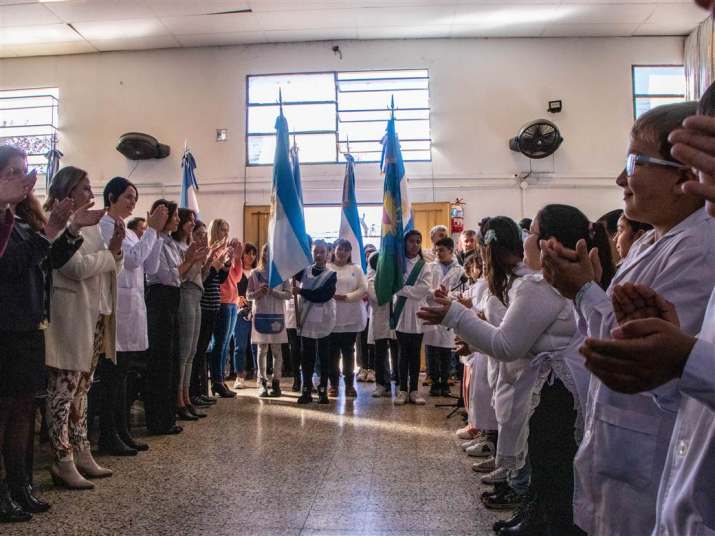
[(189, 185), (287, 240), (350, 228)]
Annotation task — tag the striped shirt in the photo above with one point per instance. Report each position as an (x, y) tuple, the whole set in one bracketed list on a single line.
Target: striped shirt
[(211, 298)]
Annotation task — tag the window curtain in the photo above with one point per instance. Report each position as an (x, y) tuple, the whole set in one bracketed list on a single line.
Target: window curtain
[(699, 60)]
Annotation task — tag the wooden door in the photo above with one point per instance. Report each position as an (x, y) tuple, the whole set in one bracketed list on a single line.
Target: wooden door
[(427, 215), (255, 224)]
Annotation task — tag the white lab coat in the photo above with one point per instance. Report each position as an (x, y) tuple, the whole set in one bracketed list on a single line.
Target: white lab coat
[(416, 297), (538, 322), (141, 256), (621, 458), (317, 319), (350, 315), (686, 496), (272, 303), (441, 336), (379, 326)]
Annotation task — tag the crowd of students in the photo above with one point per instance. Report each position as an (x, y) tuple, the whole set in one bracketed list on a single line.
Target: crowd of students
[(587, 347)]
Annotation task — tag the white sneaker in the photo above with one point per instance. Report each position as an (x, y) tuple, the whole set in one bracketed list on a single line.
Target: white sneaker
[(416, 398), (479, 438), (466, 433), (380, 391), (370, 376), (483, 449), (486, 466), (239, 383), (362, 375), (401, 398), (496, 476)]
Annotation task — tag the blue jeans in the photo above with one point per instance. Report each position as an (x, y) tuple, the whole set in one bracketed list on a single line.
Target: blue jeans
[(242, 340), (518, 479), (225, 325)]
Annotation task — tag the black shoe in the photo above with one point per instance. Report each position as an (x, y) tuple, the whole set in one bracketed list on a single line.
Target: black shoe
[(499, 487), (183, 414), (10, 511), (296, 386), (199, 403), (531, 524), (131, 442), (206, 399), (276, 388), (306, 397), (264, 390), (222, 391), (323, 396), (192, 410), (505, 500), (22, 495), (112, 444)]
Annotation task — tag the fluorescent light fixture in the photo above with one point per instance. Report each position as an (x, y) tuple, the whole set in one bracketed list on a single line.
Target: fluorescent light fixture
[(120, 29), (510, 16), (29, 35)]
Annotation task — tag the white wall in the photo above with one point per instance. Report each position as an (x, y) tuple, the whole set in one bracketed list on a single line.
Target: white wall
[(482, 91)]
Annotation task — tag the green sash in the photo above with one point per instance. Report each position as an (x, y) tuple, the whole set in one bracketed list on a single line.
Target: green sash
[(400, 303)]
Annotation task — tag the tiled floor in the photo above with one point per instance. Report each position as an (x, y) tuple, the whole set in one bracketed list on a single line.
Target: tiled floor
[(271, 467)]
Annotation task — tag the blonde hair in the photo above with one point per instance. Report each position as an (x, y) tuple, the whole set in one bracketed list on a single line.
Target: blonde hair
[(214, 227), (262, 267), (64, 181)]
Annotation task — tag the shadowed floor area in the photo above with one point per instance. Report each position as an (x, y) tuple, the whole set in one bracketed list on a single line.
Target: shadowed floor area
[(271, 467)]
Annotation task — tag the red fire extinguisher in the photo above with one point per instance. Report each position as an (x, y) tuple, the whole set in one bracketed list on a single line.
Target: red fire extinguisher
[(456, 216)]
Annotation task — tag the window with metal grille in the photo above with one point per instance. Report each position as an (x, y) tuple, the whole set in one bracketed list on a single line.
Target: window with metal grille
[(28, 119), (655, 85), (326, 111)]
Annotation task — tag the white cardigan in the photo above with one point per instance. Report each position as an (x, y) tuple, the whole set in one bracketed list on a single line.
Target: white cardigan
[(350, 315), (76, 305)]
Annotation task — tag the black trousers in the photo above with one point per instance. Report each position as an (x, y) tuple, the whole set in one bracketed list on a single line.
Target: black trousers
[(342, 345), (162, 370), (293, 352), (552, 448), (382, 368), (365, 351), (309, 349), (438, 362), (199, 372), (117, 393), (409, 360)]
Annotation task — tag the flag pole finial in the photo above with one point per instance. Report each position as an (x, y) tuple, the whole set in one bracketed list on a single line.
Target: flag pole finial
[(280, 99), (295, 143), (392, 107), (347, 144)]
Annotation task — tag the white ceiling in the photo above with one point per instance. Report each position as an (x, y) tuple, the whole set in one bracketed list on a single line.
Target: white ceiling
[(48, 27)]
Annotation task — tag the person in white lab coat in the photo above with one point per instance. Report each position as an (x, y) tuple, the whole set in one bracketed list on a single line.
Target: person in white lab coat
[(408, 300), (141, 256), (623, 452), (649, 352), (379, 333), (439, 340)]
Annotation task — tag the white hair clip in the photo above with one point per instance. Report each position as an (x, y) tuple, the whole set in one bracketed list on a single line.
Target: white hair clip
[(489, 237)]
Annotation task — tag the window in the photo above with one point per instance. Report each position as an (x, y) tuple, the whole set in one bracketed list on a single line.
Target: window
[(654, 85), (28, 119), (323, 221), (326, 110)]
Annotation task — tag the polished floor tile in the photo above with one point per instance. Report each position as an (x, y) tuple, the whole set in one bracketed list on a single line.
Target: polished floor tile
[(272, 467)]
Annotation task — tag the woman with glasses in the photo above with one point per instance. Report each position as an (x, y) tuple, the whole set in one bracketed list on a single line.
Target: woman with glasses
[(626, 437)]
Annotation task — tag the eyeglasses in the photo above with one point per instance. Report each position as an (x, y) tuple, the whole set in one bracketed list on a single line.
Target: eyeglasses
[(634, 160)]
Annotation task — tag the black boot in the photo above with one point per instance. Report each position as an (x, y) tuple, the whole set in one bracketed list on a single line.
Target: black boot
[(121, 417), (532, 523), (306, 397), (524, 509), (276, 388), (222, 391), (23, 496), (296, 385), (109, 440), (10, 511), (322, 395), (264, 389)]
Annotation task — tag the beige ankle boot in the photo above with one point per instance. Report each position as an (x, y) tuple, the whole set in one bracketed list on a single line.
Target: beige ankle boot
[(65, 474), (88, 467)]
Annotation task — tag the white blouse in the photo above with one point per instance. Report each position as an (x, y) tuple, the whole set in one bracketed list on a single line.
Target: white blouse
[(416, 297)]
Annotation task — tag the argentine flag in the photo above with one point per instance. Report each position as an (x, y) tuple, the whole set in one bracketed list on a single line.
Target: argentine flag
[(349, 219), (287, 240), (189, 186)]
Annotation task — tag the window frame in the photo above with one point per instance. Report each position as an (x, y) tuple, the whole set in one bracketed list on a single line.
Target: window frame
[(53, 129), (636, 96), (336, 132)]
